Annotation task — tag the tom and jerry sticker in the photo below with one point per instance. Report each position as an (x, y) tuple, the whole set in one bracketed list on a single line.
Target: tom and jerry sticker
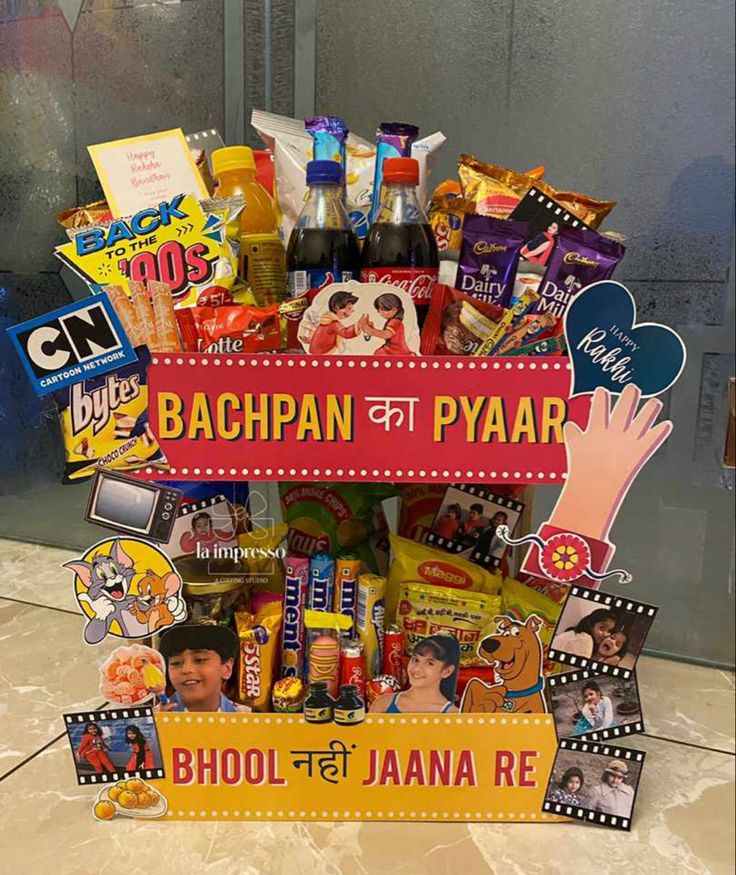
[(128, 588)]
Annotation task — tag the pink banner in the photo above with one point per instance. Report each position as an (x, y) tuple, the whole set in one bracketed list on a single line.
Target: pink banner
[(272, 417)]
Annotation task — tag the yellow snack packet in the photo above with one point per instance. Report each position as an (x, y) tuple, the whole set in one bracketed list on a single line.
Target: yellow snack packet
[(432, 610), (416, 563), (264, 567), (104, 422), (258, 637)]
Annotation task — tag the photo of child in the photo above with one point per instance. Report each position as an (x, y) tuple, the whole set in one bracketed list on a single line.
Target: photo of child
[(204, 534), (467, 524), (432, 673), (607, 632), (114, 744), (594, 780), (202, 525), (199, 658), (585, 705)]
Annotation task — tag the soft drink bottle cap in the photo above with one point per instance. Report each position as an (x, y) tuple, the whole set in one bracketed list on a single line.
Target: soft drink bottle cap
[(232, 158), (324, 173), (401, 170)]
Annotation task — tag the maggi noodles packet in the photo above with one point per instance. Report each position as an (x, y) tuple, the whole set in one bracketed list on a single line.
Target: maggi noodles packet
[(431, 610), (104, 422), (413, 562)]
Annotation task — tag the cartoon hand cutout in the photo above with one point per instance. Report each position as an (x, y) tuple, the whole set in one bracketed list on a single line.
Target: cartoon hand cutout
[(604, 459)]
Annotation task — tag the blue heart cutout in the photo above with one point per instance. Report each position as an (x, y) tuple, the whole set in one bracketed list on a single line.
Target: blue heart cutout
[(607, 348)]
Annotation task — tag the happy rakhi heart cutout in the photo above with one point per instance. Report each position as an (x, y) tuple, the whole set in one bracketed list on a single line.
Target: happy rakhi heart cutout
[(609, 348)]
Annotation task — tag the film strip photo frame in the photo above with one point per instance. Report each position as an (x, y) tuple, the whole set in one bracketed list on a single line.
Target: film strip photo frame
[(559, 682), (483, 551), (188, 508), (99, 757), (598, 599), (537, 200), (627, 756)]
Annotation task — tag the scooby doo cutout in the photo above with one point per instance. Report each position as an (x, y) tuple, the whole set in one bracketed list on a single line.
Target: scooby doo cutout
[(516, 655), (127, 588)]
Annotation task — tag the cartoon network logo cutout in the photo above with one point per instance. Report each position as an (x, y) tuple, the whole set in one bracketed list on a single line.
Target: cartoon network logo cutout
[(82, 340)]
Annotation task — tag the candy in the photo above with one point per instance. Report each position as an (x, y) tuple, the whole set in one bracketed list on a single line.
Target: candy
[(321, 582), (418, 563), (352, 665), (330, 135), (489, 257), (393, 651), (345, 601), (132, 674), (295, 601), (429, 610), (288, 695), (380, 685), (324, 661), (369, 622), (167, 334), (258, 636)]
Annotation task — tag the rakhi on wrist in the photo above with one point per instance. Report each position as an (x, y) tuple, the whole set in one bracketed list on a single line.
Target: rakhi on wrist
[(566, 557)]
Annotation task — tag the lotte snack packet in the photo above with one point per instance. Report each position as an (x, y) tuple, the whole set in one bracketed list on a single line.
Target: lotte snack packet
[(581, 257), (430, 610), (412, 562), (258, 636), (104, 422), (230, 328), (489, 258)]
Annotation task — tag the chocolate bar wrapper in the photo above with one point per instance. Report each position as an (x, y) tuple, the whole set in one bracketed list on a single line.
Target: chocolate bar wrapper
[(489, 258), (581, 257), (457, 324), (393, 140)]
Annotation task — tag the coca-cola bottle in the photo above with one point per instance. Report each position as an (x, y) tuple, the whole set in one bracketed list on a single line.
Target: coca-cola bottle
[(400, 248), (322, 247)]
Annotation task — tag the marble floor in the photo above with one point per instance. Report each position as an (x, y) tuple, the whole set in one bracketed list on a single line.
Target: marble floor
[(684, 819)]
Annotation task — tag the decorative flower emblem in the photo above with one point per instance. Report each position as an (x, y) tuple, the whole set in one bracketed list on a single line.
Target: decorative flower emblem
[(565, 557)]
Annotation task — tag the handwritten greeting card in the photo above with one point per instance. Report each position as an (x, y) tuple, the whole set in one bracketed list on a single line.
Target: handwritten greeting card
[(140, 172)]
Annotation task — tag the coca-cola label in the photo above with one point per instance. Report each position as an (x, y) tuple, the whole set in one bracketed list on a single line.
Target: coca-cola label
[(419, 282)]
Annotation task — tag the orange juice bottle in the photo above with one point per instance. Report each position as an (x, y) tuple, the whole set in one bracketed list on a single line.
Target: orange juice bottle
[(262, 262)]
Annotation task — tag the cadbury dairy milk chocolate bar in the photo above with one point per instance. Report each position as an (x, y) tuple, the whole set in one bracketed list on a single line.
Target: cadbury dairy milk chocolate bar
[(489, 257), (581, 257)]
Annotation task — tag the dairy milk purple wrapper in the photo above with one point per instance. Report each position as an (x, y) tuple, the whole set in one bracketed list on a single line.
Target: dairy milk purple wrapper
[(581, 257), (489, 257)]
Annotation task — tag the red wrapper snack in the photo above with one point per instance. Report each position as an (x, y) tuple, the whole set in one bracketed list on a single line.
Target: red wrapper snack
[(465, 675), (231, 328), (419, 503), (457, 324)]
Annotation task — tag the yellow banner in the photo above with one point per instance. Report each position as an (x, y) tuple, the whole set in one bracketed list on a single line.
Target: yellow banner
[(174, 242), (419, 767)]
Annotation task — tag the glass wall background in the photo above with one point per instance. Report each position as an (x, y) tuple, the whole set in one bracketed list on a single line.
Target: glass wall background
[(632, 101)]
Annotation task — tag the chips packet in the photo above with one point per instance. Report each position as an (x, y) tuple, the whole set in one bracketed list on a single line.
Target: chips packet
[(457, 324), (425, 610), (489, 258), (330, 517), (418, 505), (492, 190), (446, 213), (520, 601), (258, 637), (416, 563), (261, 563), (104, 422), (231, 328)]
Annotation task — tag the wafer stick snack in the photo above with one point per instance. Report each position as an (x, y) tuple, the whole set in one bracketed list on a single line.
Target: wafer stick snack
[(167, 334), (136, 330)]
